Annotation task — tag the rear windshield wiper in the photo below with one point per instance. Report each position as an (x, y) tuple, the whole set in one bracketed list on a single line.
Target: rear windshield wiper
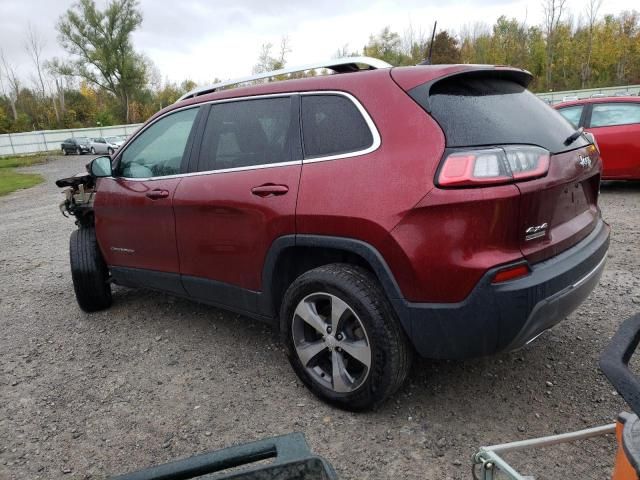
[(574, 136)]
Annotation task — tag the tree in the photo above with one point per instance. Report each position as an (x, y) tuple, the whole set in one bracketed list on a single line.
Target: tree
[(34, 46), (592, 15), (13, 84), (61, 74), (268, 63), (553, 10), (445, 49), (101, 42), (386, 46)]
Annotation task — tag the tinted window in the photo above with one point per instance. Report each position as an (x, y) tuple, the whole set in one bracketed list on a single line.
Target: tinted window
[(331, 125), (475, 110), (159, 149), (247, 133), (605, 114), (572, 114)]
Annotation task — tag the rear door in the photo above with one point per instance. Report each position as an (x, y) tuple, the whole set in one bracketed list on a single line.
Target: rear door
[(616, 126), (488, 109), (135, 223), (240, 197)]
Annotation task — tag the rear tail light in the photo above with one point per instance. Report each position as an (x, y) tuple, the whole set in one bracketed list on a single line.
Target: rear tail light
[(510, 273), (493, 166)]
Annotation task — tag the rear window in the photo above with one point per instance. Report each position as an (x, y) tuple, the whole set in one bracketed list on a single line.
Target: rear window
[(333, 125), (477, 110)]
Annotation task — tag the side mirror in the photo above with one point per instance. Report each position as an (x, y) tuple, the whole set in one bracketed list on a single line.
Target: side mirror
[(100, 167)]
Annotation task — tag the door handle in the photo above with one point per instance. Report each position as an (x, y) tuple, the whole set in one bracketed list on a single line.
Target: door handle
[(157, 193), (269, 189)]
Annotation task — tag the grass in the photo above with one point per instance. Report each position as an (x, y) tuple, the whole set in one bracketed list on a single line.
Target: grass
[(10, 180)]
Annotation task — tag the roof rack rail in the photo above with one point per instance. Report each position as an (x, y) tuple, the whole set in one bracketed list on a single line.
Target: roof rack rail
[(338, 65)]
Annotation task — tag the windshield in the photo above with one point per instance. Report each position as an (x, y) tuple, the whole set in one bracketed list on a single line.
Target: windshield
[(82, 140), (112, 139)]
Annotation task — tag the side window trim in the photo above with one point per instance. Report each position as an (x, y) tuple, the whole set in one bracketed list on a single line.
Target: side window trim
[(115, 164), (375, 144)]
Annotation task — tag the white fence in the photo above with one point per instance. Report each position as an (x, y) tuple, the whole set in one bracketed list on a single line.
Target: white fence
[(50, 140), (556, 97)]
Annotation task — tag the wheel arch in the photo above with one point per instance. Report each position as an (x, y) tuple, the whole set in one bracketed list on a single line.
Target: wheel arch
[(292, 255)]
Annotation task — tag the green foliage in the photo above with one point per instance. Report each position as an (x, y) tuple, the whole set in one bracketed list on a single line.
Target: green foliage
[(387, 46), (100, 41), (11, 181), (17, 162)]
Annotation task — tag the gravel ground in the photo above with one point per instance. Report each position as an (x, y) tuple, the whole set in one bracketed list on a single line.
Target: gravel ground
[(157, 378)]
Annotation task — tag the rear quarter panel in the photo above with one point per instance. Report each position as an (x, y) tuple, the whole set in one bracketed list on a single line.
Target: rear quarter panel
[(364, 197)]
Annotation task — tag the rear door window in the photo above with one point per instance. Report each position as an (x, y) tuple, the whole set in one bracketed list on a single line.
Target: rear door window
[(248, 133), (572, 114), (481, 109), (333, 125), (609, 114)]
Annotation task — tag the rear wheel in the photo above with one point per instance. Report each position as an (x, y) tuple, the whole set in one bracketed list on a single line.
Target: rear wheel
[(78, 151), (342, 337), (89, 271), (64, 151)]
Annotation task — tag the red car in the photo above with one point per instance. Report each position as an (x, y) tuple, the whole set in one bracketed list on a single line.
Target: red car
[(367, 214), (615, 122)]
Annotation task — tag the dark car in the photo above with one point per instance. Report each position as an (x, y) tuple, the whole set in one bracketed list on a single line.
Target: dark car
[(615, 122), (76, 146), (368, 215)]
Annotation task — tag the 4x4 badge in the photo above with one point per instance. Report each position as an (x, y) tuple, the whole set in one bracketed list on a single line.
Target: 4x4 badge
[(536, 231), (584, 161)]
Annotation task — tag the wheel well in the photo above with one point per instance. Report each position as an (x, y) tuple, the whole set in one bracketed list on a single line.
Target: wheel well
[(295, 261)]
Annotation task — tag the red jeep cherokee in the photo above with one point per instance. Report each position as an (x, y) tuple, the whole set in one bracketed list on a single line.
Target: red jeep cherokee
[(439, 209)]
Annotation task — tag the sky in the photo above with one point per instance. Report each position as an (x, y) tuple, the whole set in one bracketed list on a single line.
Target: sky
[(203, 40)]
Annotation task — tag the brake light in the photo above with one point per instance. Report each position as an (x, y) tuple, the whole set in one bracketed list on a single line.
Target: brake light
[(493, 166), (510, 273)]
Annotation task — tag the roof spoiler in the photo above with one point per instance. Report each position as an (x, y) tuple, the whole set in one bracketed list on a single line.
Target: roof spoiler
[(521, 77)]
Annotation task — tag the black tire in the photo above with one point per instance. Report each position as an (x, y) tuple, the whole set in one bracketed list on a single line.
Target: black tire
[(390, 352), (89, 271), (110, 151), (78, 151), (64, 151), (93, 151)]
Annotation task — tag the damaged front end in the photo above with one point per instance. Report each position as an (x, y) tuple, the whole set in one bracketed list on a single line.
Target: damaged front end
[(79, 192)]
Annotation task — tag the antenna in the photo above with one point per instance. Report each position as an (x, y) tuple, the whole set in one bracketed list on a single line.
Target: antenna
[(433, 36)]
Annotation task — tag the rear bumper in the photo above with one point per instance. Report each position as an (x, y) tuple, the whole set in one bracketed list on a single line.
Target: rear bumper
[(506, 316)]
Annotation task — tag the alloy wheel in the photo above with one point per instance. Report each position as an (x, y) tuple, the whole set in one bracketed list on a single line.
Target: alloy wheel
[(331, 342)]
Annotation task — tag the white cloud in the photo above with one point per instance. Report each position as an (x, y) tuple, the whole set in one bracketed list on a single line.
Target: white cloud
[(201, 39)]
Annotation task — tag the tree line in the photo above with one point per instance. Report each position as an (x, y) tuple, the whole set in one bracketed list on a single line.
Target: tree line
[(105, 81)]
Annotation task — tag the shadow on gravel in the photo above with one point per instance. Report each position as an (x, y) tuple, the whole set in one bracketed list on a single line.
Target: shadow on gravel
[(620, 186)]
